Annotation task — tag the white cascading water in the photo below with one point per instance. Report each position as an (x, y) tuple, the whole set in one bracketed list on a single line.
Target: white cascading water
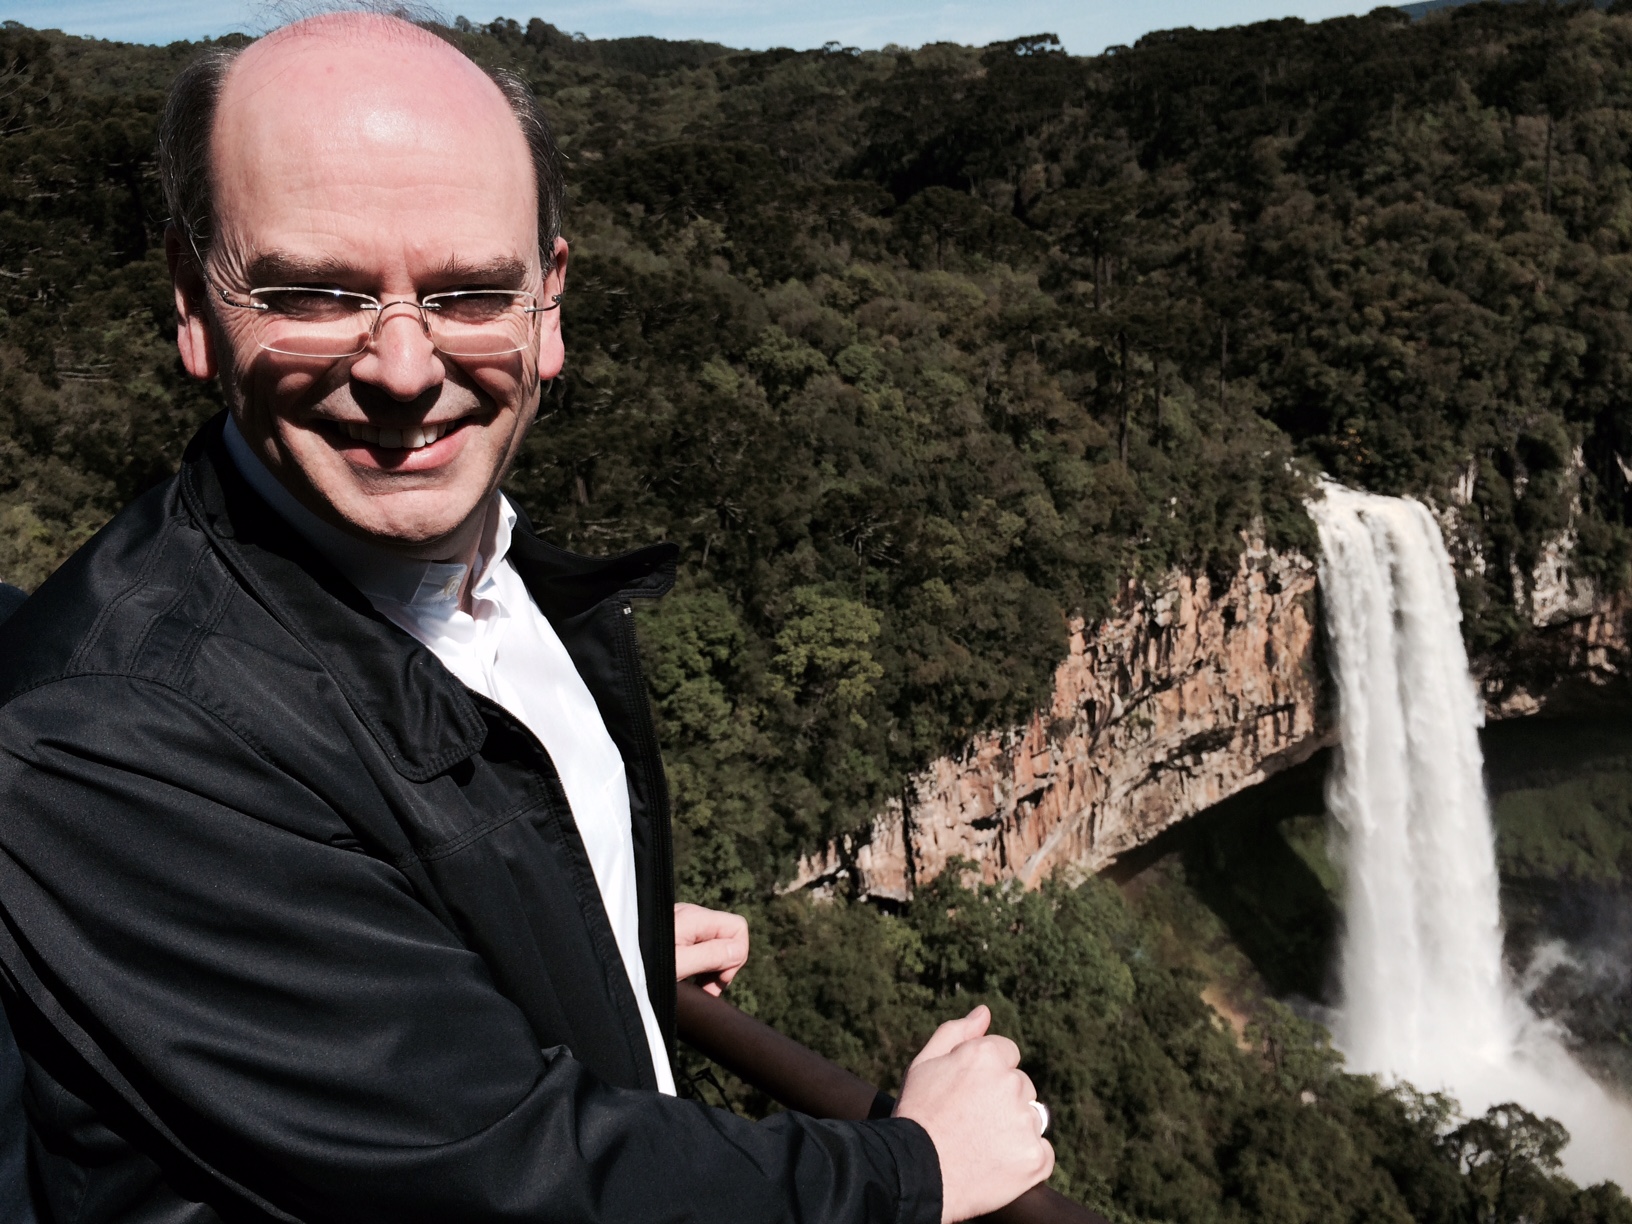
[(1425, 997)]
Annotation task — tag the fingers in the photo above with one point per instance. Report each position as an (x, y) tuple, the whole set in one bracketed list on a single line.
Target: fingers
[(1046, 1165), (1003, 1051), (954, 1033), (710, 944), (695, 924), (718, 957), (988, 1053), (1028, 1090)]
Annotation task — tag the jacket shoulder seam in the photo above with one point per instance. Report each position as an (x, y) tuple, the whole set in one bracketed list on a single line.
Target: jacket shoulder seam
[(94, 634), (183, 588), (206, 626)]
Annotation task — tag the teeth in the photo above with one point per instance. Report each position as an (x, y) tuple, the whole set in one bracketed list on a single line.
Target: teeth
[(395, 439)]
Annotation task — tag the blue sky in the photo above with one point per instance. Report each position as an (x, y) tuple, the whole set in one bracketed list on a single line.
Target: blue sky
[(1086, 26)]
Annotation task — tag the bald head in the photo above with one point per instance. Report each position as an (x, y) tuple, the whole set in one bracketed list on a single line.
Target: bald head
[(378, 43), (353, 79)]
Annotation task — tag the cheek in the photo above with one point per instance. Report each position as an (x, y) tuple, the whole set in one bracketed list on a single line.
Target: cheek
[(510, 388), (278, 390), (271, 395)]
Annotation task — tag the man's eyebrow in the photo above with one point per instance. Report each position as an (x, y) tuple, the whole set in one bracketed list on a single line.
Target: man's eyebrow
[(506, 270), (281, 268)]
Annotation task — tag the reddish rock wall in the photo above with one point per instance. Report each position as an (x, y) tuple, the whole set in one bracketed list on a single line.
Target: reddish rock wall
[(1577, 665), (1183, 699)]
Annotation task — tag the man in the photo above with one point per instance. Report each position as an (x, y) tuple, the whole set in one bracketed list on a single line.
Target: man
[(334, 848)]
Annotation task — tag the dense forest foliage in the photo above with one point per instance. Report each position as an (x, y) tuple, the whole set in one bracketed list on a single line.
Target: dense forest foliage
[(917, 353)]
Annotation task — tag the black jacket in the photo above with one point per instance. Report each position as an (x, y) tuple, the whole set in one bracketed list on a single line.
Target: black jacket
[(297, 926)]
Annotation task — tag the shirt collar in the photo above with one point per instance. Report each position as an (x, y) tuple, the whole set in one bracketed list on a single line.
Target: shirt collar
[(378, 574)]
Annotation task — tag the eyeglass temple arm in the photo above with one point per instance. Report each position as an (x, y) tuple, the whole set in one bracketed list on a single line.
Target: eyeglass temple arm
[(250, 305)]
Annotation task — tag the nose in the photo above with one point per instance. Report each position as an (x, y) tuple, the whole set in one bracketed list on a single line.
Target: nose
[(401, 361)]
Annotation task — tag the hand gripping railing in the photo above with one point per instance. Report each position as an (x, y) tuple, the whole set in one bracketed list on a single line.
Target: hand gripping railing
[(801, 1079)]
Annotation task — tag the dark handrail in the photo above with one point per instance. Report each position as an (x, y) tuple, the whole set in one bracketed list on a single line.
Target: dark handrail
[(801, 1079)]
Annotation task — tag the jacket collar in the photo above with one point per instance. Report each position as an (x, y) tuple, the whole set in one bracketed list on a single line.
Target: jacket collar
[(421, 716)]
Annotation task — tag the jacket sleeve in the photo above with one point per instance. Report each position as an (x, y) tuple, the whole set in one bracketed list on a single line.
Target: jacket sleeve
[(309, 1038)]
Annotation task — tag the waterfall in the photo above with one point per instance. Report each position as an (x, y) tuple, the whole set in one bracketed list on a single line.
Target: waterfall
[(1425, 996)]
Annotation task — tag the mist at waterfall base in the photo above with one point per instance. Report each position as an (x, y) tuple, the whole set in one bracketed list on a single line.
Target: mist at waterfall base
[(1425, 996)]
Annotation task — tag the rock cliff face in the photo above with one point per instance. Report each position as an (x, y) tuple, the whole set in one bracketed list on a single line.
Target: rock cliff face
[(1185, 697), (1578, 664)]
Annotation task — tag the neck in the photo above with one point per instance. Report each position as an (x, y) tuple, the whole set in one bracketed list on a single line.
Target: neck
[(462, 547)]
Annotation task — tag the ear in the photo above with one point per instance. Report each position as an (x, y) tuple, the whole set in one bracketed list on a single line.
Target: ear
[(551, 352), (556, 281), (193, 337)]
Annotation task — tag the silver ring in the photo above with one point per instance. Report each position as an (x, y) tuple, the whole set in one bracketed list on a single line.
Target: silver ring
[(1042, 1116)]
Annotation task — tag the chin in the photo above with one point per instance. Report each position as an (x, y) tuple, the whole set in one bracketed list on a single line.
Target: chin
[(413, 533)]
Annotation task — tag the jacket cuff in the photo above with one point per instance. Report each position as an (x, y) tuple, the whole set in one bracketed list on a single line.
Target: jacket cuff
[(917, 1170)]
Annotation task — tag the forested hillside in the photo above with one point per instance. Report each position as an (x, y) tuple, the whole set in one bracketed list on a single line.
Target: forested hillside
[(917, 353)]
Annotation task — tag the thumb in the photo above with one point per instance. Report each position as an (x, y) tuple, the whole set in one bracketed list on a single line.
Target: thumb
[(954, 1033)]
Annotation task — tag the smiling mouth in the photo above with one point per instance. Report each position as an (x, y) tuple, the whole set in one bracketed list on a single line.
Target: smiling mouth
[(413, 438)]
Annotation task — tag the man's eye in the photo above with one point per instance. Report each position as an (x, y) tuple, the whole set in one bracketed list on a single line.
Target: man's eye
[(473, 308), (308, 303)]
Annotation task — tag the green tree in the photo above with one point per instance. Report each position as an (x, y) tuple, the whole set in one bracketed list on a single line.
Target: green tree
[(1510, 1156)]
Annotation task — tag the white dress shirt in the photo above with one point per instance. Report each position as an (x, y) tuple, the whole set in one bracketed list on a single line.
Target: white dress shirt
[(506, 650)]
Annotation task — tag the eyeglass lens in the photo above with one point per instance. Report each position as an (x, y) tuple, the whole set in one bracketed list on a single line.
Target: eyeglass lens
[(327, 323)]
